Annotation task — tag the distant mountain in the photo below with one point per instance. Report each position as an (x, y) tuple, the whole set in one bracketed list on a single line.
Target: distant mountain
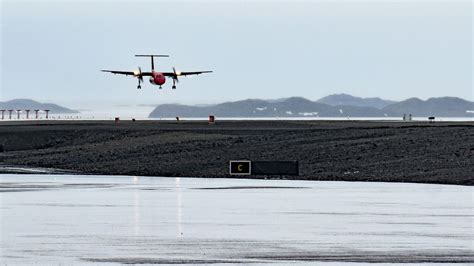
[(301, 107), (289, 107), (346, 99), (443, 106), (23, 104)]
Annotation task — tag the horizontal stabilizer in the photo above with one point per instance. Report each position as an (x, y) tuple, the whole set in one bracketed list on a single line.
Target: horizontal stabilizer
[(150, 55)]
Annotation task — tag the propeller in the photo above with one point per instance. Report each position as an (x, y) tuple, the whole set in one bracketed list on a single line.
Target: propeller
[(176, 74), (138, 74)]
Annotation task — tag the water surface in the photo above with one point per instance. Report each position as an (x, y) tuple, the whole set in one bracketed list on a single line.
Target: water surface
[(85, 219)]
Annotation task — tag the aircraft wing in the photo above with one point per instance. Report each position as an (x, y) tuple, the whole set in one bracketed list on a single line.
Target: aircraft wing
[(132, 73), (172, 74)]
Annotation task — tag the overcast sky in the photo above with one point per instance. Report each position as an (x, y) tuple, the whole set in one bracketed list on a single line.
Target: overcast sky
[(54, 50)]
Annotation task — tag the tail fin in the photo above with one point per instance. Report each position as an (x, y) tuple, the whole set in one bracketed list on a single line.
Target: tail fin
[(152, 56)]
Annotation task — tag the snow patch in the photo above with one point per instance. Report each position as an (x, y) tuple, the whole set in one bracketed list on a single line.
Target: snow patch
[(308, 113)]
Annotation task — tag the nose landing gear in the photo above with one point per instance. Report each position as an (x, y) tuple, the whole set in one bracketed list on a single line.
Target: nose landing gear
[(173, 87)]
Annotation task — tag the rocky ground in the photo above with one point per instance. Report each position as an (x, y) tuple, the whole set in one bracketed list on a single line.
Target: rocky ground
[(442, 152)]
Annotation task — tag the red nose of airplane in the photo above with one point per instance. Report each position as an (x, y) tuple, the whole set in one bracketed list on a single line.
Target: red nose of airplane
[(160, 79)]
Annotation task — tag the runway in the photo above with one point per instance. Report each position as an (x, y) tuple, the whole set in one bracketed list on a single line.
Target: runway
[(54, 219)]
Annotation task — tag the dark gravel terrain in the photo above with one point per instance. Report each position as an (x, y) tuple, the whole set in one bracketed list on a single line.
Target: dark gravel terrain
[(419, 152)]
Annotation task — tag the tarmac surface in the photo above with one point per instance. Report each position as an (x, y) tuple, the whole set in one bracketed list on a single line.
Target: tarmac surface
[(385, 151)]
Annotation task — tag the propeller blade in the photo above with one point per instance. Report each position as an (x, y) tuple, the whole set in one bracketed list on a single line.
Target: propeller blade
[(176, 74), (141, 75)]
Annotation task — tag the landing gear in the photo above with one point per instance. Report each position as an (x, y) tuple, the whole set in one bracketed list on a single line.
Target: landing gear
[(160, 87), (174, 83), (139, 84)]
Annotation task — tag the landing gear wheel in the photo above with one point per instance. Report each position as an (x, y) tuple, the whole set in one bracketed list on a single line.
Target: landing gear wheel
[(161, 88), (139, 87), (173, 87)]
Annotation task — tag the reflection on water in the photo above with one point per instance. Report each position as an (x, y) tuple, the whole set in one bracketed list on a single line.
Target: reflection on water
[(179, 208), (84, 219), (136, 207)]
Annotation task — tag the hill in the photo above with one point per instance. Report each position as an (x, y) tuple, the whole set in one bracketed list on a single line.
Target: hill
[(301, 107), (23, 104), (346, 99), (290, 107), (443, 106)]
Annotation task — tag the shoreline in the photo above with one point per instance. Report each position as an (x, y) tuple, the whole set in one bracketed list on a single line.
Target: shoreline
[(22, 170), (407, 152)]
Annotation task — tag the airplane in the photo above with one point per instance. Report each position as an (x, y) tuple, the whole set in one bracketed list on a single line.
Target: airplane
[(156, 78)]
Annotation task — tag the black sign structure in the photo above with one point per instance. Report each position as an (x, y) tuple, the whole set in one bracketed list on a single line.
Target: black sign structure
[(264, 167), (240, 167), (275, 168)]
